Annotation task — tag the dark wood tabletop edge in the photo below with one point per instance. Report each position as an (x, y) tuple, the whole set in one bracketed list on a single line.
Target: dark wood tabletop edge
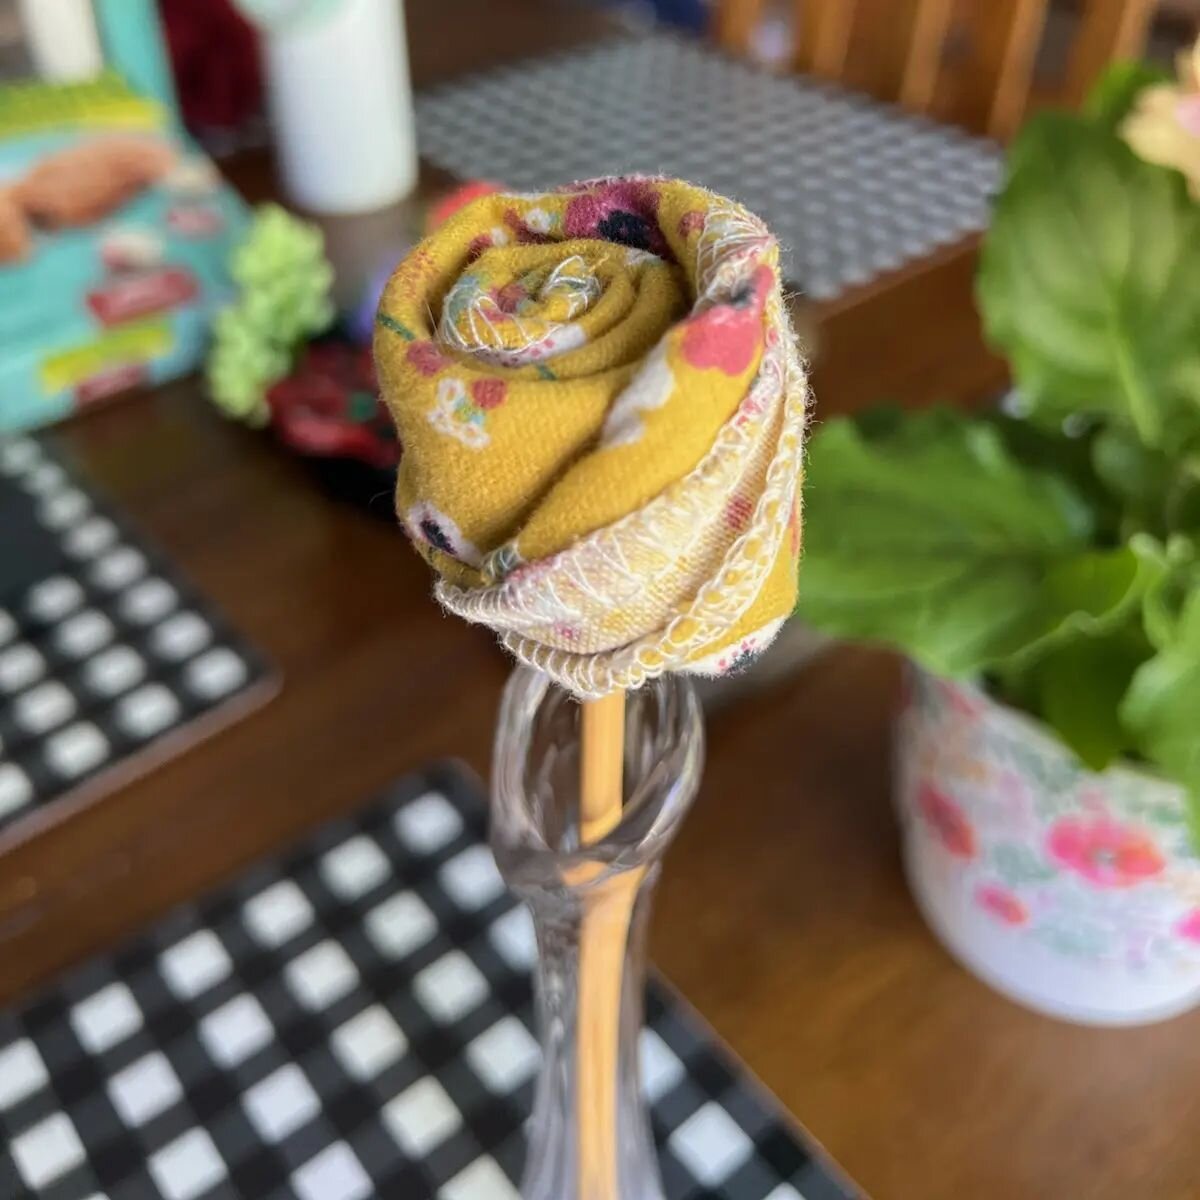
[(770, 1099), (42, 821)]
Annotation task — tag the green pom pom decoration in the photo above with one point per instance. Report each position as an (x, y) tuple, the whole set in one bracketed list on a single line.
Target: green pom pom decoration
[(285, 283), (242, 366), (284, 276)]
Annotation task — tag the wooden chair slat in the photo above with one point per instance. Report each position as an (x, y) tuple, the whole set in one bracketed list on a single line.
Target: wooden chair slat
[(1109, 29), (969, 62), (734, 22), (927, 41), (987, 89), (1015, 53), (822, 36)]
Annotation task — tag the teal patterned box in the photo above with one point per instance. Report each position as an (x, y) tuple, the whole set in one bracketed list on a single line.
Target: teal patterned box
[(115, 234)]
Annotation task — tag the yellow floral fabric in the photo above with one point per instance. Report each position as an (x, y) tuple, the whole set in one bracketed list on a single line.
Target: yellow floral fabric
[(602, 411)]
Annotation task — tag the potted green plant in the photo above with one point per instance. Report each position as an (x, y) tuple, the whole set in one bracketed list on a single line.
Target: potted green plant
[(1041, 571)]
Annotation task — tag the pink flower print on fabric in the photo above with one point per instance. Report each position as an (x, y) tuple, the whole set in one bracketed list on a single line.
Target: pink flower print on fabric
[(738, 658), (738, 511), (426, 357), (726, 336), (568, 336), (624, 211), (732, 660), (511, 297), (1189, 926), (489, 393)]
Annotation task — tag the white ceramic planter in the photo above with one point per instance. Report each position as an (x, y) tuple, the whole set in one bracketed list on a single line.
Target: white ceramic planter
[(1075, 893)]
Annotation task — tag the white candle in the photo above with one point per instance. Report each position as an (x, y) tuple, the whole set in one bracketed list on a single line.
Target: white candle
[(341, 104), (62, 39)]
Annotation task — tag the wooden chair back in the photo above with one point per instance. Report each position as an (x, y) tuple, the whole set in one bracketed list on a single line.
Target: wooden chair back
[(965, 61)]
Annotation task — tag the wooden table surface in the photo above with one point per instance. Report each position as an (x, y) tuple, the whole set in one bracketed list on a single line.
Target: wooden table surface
[(782, 915)]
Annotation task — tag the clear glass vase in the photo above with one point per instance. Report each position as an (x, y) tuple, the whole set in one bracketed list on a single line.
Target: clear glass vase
[(589, 1137)]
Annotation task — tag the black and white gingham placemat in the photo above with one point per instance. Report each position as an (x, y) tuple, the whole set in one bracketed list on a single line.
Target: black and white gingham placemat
[(354, 1021), (107, 656), (851, 188)]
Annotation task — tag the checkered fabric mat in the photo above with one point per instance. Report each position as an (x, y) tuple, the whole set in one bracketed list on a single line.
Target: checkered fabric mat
[(851, 188), (107, 657), (353, 1021)]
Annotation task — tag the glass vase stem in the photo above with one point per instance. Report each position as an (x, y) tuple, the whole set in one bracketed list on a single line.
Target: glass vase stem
[(589, 1135)]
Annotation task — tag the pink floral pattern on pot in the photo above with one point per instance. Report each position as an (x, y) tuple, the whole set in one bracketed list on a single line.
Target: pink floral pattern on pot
[(1025, 861)]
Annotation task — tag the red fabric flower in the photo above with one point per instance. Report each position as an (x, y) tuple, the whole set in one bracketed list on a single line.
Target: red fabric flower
[(328, 406), (948, 821), (1104, 852)]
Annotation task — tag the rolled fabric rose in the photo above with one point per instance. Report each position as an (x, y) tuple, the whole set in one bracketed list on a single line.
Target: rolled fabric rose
[(602, 409)]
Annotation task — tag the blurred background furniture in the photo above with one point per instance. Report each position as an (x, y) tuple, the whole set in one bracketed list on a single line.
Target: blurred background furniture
[(877, 211), (964, 61), (814, 964)]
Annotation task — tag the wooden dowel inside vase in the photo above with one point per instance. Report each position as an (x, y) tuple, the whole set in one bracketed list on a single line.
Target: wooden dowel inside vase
[(602, 766), (603, 935)]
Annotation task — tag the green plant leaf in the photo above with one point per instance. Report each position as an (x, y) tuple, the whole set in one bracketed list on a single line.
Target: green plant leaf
[(1164, 601), (933, 539), (1070, 457), (1158, 492), (1090, 282), (1134, 472), (1162, 706), (1115, 92), (1077, 687)]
